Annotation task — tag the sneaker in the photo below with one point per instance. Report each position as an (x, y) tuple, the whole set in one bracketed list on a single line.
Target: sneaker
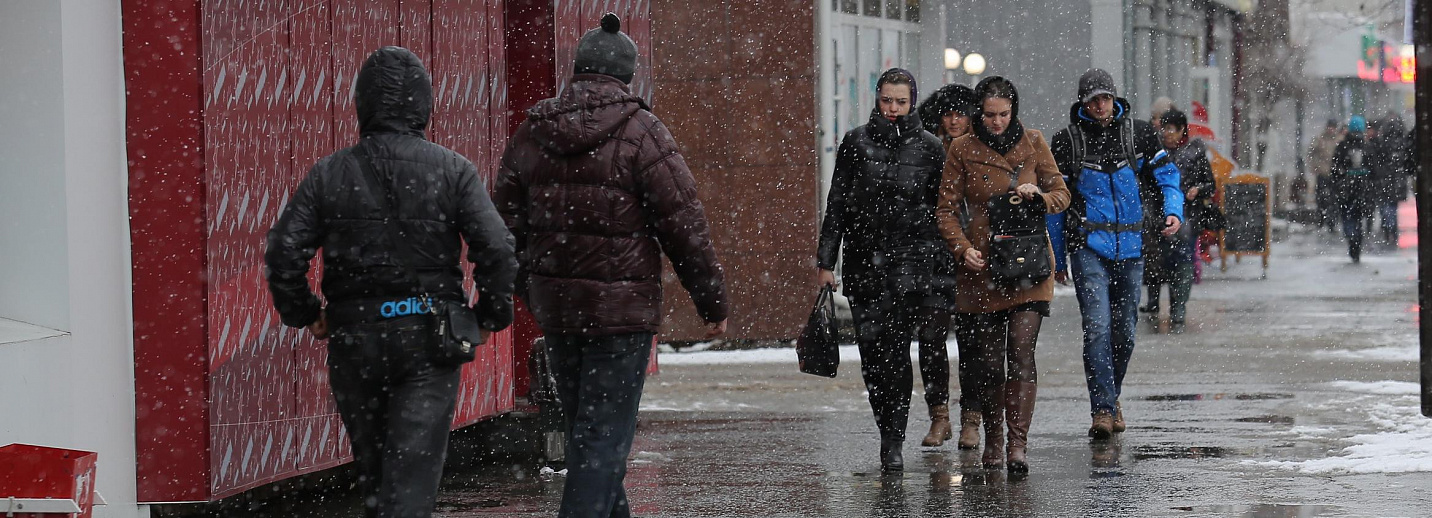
[(1176, 328)]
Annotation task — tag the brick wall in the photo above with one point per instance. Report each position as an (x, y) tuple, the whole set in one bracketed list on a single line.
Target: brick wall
[(736, 83)]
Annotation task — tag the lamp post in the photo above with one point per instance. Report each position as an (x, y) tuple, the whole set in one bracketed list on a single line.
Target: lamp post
[(952, 63), (974, 66)]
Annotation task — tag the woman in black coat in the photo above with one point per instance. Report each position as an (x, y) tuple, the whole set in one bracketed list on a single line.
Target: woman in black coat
[(949, 114), (898, 274)]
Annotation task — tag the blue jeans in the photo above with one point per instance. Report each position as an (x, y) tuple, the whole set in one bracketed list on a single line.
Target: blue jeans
[(1108, 294), (599, 379)]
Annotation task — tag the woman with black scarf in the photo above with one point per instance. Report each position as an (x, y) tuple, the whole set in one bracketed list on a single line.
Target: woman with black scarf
[(881, 211), (1000, 163)]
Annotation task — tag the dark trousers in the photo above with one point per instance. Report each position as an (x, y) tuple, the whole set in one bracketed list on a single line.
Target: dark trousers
[(1353, 214), (599, 379), (934, 332), (397, 405), (968, 351), (1387, 215), (883, 329)]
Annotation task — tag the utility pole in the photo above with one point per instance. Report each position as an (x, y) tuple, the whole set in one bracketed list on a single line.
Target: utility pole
[(1422, 26)]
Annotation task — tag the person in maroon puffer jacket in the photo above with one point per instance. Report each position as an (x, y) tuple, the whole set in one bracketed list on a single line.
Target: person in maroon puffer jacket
[(594, 190)]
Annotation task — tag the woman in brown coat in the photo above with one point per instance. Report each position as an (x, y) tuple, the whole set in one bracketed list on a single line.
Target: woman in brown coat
[(1003, 319)]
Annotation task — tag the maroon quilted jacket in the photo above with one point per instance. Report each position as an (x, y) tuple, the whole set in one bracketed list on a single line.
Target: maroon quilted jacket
[(594, 189)]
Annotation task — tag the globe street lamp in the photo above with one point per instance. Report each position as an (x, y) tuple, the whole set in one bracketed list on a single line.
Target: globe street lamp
[(952, 63), (974, 64)]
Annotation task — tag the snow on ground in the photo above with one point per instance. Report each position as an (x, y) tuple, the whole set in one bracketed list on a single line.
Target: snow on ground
[(1388, 353), (1402, 444), (1384, 388), (848, 353)]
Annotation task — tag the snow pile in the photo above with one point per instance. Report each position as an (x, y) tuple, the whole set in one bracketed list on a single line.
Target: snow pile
[(848, 353), (1403, 443), (749, 356), (1390, 353), (1383, 388)]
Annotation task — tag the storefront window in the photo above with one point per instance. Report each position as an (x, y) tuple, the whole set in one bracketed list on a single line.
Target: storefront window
[(872, 8), (893, 9), (847, 6), (912, 11)]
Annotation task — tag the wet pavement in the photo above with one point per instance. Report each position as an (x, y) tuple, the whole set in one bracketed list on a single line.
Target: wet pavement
[(1274, 404)]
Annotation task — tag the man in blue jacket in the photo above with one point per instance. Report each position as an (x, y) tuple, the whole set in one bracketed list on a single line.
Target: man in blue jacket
[(1105, 154)]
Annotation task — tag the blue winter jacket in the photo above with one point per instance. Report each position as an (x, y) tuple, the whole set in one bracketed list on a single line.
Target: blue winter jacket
[(1107, 212)]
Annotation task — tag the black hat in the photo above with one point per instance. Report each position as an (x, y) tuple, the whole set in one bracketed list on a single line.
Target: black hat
[(949, 98), (1175, 118), (607, 51), (1094, 83)]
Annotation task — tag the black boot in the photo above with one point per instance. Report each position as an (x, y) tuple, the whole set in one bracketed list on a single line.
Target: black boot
[(892, 456)]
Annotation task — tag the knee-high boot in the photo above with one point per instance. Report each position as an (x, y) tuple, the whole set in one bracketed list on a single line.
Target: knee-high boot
[(1019, 412)]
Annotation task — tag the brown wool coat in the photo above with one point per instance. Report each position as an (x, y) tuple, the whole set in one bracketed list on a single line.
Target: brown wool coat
[(974, 173)]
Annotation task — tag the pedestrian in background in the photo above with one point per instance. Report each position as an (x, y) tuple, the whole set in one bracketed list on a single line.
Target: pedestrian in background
[(947, 114), (1320, 160), (1107, 155), (999, 160), (1158, 249), (391, 214), (880, 212), (1387, 161), (1352, 176), (1190, 156), (594, 188)]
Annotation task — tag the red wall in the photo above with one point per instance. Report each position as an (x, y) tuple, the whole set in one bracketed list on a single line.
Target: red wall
[(229, 104)]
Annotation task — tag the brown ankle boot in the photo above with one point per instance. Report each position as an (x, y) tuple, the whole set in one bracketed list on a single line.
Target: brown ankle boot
[(1019, 412), (1118, 426), (1103, 426), (969, 429), (939, 426), (992, 409)]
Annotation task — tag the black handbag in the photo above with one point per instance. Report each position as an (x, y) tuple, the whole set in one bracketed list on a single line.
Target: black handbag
[(818, 349), (458, 328), (1019, 240)]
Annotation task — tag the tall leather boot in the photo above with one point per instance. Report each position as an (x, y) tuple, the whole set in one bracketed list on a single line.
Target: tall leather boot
[(940, 430), (992, 410), (1019, 412), (969, 429)]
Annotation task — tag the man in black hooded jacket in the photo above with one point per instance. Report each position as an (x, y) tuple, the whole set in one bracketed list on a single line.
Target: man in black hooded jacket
[(391, 214)]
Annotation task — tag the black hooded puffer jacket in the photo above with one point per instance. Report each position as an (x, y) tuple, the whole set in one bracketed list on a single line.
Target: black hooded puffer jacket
[(881, 205), (440, 204)]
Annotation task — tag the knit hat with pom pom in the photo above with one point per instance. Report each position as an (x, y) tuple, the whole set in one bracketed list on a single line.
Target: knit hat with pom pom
[(607, 51)]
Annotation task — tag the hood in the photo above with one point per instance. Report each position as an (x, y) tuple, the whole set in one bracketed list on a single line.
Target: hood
[(1077, 116), (587, 113), (393, 93)]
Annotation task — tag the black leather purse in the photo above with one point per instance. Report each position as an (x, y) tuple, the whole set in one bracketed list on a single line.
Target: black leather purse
[(457, 326), (1019, 251)]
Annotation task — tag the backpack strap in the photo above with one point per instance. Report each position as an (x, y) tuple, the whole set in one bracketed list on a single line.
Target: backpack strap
[(1126, 137), (1077, 150)]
